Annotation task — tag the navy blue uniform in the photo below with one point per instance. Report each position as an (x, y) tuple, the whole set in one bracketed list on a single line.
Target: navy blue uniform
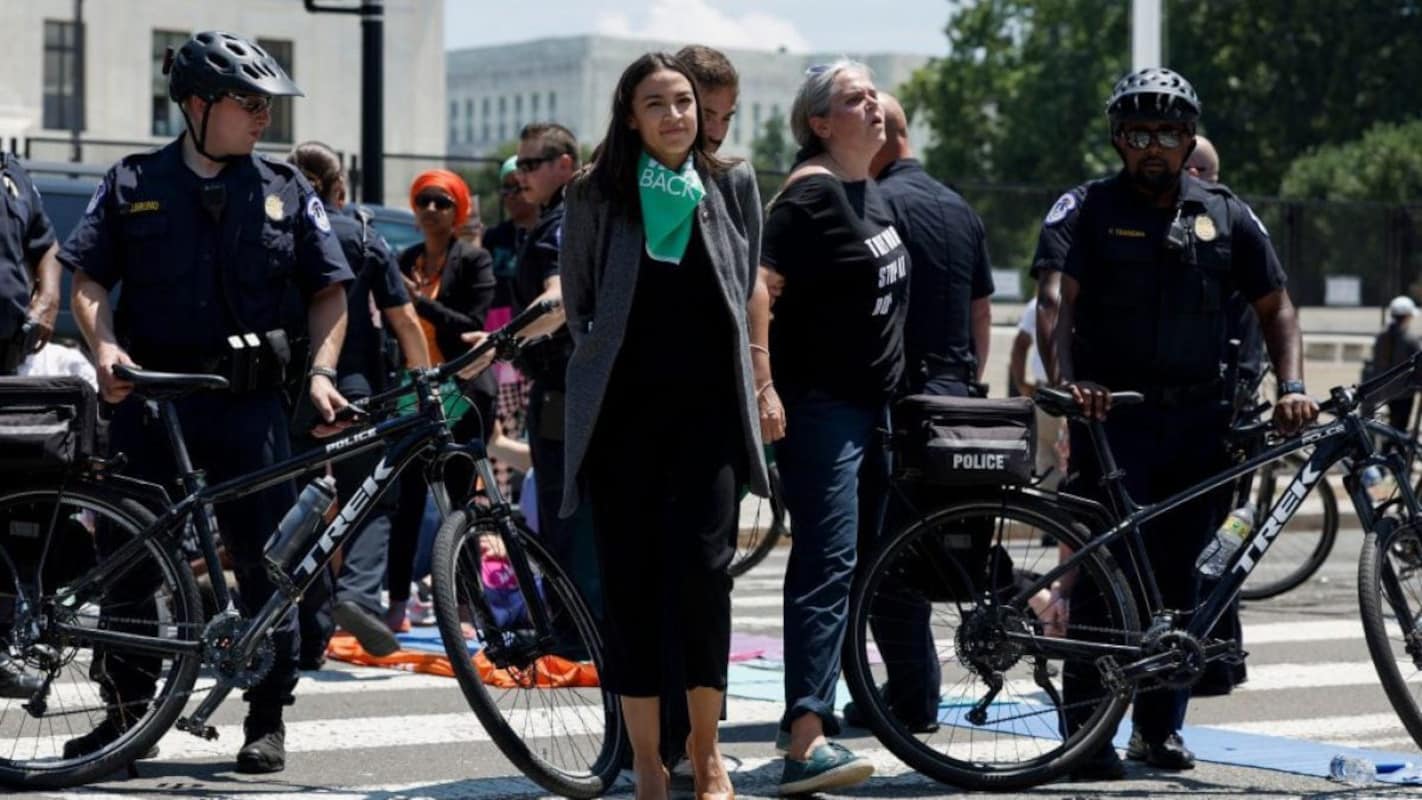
[(25, 236), (188, 282), (1154, 318)]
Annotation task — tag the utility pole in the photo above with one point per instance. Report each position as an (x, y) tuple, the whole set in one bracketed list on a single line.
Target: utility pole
[(76, 100), (1147, 34), (372, 92)]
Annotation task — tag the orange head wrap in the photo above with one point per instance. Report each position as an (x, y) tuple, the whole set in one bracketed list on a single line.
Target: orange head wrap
[(451, 184)]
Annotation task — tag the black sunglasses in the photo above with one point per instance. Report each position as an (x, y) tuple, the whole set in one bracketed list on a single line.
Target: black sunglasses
[(1168, 139), (252, 103), (441, 202), (531, 164)]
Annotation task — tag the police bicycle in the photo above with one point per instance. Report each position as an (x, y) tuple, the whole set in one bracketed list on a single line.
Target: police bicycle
[(1004, 719), (139, 602)]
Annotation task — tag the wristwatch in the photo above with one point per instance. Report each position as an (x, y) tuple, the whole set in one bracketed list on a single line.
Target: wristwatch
[(1291, 387), (325, 372)]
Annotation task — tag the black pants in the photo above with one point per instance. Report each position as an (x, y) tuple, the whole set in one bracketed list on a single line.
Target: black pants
[(1162, 451), (665, 511), (227, 436)]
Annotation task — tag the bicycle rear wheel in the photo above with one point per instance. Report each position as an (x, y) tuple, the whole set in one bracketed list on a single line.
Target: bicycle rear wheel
[(539, 701), (136, 696), (1390, 597), (927, 633), (1303, 545), (767, 526)]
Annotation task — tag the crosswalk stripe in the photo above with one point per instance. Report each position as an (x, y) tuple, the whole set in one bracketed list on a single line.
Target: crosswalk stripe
[(1350, 727), (1272, 677)]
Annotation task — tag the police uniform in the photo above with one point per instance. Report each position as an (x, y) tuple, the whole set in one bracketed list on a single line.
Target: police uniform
[(200, 260), (25, 236), (1152, 315)]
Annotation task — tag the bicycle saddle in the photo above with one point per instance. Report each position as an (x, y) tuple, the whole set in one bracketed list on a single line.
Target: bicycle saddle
[(167, 385)]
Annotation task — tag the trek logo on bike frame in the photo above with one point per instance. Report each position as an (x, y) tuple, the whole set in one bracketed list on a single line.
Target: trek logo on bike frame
[(1283, 510), (336, 531)]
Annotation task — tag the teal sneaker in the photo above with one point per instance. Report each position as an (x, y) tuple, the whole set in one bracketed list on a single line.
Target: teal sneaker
[(830, 766)]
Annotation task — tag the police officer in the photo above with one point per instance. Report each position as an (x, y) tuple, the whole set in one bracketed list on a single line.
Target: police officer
[(207, 241), (376, 296), (946, 338), (1154, 258), (29, 301)]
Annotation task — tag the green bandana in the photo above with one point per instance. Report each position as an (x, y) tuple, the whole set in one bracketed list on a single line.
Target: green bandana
[(669, 201)]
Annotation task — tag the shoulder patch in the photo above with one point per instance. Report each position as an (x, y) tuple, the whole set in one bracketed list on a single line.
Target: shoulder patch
[(1060, 209), (97, 198), (316, 212)]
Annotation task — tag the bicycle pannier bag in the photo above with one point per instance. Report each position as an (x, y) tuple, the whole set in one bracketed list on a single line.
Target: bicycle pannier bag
[(47, 424), (965, 441)]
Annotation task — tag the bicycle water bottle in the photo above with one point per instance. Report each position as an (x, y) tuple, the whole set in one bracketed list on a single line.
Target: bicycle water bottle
[(1352, 771), (294, 536), (1231, 533)]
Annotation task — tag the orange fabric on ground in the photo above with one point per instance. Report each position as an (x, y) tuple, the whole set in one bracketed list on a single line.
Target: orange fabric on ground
[(553, 672)]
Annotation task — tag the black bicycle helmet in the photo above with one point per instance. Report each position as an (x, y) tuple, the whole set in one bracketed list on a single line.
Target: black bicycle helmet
[(212, 63), (1153, 93)]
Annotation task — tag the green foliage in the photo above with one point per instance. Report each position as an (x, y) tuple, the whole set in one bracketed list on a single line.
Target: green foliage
[(772, 149), (1385, 165)]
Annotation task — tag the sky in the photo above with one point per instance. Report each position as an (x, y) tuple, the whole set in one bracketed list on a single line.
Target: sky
[(836, 26)]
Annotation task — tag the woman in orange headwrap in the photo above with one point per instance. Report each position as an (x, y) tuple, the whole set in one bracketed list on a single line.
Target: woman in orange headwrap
[(451, 281)]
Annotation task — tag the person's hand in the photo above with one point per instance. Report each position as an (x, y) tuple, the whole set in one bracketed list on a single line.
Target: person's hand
[(327, 401), (772, 416), (44, 309), (774, 283), (113, 389), (410, 286), (1093, 398), (478, 365), (1027, 389), (1053, 610), (1293, 411)]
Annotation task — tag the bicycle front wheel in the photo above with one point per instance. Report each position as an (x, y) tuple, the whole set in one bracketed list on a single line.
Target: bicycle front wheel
[(1304, 543), (949, 675), (767, 526), (104, 705), (1390, 596), (538, 697)]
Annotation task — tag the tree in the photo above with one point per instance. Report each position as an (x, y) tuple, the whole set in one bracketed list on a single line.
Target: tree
[(1384, 165), (771, 149)]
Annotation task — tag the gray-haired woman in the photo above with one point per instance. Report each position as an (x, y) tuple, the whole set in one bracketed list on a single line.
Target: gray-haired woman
[(836, 349)]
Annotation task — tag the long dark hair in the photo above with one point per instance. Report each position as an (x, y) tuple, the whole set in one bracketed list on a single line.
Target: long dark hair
[(614, 172)]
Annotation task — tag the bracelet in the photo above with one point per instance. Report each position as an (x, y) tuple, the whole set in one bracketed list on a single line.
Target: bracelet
[(761, 391), (325, 372), (761, 348)]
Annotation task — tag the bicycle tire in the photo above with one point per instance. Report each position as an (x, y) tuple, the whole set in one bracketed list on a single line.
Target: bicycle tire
[(761, 544), (972, 772), (1380, 591), (460, 530), (186, 608), (1261, 585)]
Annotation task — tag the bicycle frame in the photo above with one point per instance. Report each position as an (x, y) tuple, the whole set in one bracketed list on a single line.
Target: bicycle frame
[(1349, 437)]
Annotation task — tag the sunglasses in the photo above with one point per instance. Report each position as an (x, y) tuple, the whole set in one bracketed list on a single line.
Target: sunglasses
[(531, 164), (1168, 139), (252, 103), (441, 202)]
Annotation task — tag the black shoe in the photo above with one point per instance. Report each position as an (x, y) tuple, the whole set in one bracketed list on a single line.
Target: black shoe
[(102, 736), (265, 746), (1105, 765), (854, 718), (1171, 754), (15, 682), (368, 628)]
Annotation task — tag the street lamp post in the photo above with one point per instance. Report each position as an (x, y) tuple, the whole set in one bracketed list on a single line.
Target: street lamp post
[(372, 91)]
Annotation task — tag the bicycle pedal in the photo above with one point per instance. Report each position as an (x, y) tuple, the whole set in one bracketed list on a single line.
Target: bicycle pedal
[(208, 732)]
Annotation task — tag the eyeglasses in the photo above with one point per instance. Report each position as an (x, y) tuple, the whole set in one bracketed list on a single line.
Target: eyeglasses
[(441, 202), (252, 103), (531, 164), (816, 69), (1168, 139)]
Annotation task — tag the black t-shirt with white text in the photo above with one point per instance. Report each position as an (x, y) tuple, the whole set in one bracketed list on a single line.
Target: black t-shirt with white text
[(838, 325)]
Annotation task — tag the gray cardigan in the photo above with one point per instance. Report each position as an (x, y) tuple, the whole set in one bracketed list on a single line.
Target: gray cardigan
[(598, 267)]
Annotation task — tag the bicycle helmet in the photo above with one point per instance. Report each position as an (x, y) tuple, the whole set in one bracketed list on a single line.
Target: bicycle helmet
[(1153, 93), (1402, 306), (213, 63)]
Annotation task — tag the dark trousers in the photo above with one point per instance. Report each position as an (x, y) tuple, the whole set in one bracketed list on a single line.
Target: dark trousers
[(820, 462), (1399, 412), (227, 436), (665, 510), (1162, 451)]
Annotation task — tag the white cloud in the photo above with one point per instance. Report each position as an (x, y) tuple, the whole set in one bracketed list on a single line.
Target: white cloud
[(697, 21)]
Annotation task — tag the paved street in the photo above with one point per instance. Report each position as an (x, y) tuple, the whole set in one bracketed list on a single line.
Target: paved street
[(361, 732)]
